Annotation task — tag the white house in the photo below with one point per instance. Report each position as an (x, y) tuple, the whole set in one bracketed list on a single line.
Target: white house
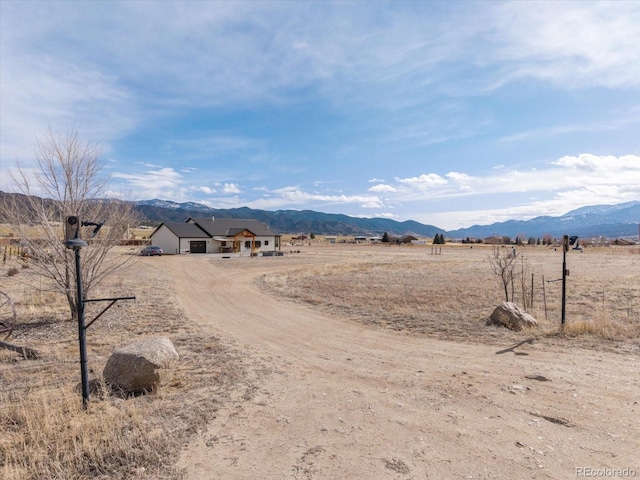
[(216, 235)]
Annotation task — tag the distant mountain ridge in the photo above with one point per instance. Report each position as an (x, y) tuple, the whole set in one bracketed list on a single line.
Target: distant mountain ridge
[(620, 220), (287, 221)]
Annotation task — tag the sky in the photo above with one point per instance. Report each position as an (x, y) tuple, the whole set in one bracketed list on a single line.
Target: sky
[(449, 113)]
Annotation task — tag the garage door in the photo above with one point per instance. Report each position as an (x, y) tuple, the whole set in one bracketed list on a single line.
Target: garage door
[(198, 247)]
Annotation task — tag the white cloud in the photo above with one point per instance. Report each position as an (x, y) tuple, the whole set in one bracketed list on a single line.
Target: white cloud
[(419, 66), (216, 55), (616, 121), (296, 196), (149, 165), (556, 204), (372, 202), (47, 91), (562, 185), (604, 163), (570, 43), (423, 181), (458, 177), (231, 188), (382, 188), (206, 190), (162, 183), (570, 172)]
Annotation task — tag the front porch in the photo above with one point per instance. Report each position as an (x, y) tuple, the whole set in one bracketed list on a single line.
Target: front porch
[(242, 242)]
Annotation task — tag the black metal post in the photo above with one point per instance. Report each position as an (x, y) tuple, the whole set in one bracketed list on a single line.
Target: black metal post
[(82, 333), (73, 241), (565, 247)]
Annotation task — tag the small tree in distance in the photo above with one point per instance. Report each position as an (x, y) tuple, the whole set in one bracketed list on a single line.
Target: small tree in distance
[(503, 263), (67, 180)]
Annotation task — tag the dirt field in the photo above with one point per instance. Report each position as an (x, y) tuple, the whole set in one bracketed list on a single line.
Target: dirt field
[(359, 362), (333, 398)]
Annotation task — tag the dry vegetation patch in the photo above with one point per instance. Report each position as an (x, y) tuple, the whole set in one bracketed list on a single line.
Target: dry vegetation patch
[(451, 295), (45, 433)]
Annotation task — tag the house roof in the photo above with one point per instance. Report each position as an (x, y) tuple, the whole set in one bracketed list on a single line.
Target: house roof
[(232, 232), (183, 230), (230, 226)]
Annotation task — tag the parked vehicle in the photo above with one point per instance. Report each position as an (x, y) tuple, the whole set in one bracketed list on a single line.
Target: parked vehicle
[(151, 251)]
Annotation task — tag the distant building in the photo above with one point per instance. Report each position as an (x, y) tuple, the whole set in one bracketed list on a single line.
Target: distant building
[(407, 239), (216, 235)]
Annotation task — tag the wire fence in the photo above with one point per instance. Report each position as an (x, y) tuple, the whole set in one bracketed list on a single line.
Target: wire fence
[(9, 251), (598, 288)]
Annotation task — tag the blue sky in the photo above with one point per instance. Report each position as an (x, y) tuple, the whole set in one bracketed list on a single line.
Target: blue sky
[(448, 113)]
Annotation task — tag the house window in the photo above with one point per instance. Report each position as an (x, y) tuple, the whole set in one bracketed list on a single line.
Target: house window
[(266, 243), (247, 244), (258, 244)]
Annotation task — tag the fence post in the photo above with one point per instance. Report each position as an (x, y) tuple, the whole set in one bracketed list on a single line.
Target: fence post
[(532, 292), (544, 299)]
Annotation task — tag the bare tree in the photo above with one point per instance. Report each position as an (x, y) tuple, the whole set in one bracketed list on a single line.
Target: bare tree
[(503, 263), (512, 270), (67, 180)]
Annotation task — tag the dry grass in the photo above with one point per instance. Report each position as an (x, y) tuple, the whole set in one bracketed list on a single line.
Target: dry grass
[(45, 433), (602, 326), (141, 233), (451, 295), (48, 435)]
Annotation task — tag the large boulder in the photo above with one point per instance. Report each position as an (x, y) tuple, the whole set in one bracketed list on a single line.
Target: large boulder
[(509, 315), (141, 367)]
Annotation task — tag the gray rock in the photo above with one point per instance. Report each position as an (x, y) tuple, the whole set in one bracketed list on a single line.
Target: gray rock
[(141, 367), (513, 317)]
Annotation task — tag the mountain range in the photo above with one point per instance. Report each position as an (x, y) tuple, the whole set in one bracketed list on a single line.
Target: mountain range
[(620, 220), (612, 221), (286, 221)]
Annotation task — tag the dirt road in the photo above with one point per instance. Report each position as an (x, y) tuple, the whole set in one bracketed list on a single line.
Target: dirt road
[(328, 398)]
